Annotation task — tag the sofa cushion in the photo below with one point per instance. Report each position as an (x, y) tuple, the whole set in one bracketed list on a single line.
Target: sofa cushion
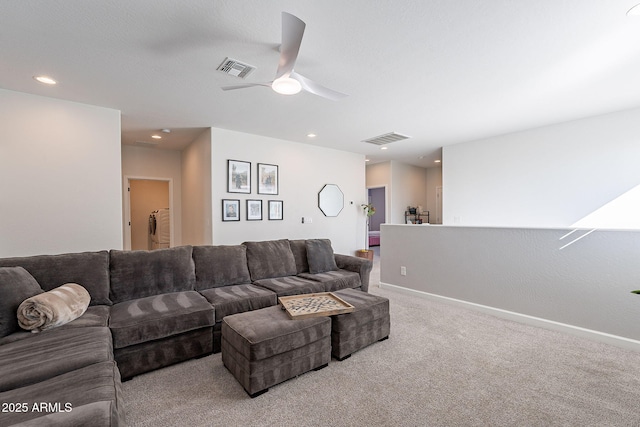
[(97, 315), (51, 353), (291, 285), (299, 249), (335, 280), (234, 299), (89, 269), (88, 396), (272, 258), (16, 285), (159, 316), (320, 256), (220, 266), (140, 274)]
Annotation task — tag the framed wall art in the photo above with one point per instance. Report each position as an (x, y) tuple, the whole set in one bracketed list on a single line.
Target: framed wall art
[(254, 210), (238, 176), (267, 178), (230, 210), (275, 210)]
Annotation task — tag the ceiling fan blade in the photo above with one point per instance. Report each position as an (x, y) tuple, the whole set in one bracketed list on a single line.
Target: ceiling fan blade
[(316, 88), (244, 86), (292, 32)]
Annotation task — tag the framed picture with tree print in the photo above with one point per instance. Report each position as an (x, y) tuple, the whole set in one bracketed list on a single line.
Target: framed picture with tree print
[(238, 176), (275, 209), (267, 178), (254, 210)]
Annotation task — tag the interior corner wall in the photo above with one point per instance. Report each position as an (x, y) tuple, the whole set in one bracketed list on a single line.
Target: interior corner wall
[(406, 186), (196, 191), (434, 180), (303, 170), (154, 163), (60, 180), (409, 189), (546, 177)]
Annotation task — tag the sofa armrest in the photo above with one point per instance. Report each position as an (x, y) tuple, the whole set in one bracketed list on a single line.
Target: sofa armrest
[(359, 265)]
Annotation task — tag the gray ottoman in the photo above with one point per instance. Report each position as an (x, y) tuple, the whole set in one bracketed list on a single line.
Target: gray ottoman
[(368, 323), (265, 347)]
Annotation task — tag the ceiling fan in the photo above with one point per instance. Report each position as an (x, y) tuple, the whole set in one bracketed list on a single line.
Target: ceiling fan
[(287, 81)]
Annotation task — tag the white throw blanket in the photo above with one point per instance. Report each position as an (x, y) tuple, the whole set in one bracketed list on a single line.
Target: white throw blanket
[(53, 308)]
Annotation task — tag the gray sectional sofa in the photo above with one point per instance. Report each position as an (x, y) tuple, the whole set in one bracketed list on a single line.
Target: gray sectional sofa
[(148, 309)]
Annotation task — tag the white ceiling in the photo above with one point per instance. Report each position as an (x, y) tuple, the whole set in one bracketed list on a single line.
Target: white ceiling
[(440, 71)]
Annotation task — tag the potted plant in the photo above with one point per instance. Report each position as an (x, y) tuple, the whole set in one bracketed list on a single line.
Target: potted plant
[(369, 210)]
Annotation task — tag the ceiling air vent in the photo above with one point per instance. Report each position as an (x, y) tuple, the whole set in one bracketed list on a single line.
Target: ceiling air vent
[(235, 68), (386, 138), (148, 144)]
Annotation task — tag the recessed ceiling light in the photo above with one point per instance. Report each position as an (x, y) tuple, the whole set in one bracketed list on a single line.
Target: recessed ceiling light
[(156, 137), (311, 135), (384, 148), (45, 79), (367, 160), (437, 161), (635, 10)]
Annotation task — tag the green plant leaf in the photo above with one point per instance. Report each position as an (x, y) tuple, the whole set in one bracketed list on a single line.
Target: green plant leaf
[(637, 291)]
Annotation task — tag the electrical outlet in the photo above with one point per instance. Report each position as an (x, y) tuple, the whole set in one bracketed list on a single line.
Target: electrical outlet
[(403, 270)]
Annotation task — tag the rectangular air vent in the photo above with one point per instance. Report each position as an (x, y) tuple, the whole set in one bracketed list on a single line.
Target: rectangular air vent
[(147, 143), (235, 68), (386, 138)]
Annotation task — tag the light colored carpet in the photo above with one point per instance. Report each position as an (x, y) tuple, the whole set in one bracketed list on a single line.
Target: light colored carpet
[(443, 365)]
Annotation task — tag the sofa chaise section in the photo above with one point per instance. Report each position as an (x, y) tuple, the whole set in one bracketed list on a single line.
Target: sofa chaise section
[(157, 317), (91, 395), (50, 353)]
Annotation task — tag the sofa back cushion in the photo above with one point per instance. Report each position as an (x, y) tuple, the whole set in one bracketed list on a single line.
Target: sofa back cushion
[(220, 266), (299, 249), (139, 274), (89, 269), (320, 256), (271, 258), (16, 285)]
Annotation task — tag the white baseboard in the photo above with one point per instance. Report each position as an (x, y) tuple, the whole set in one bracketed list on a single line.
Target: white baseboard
[(622, 342)]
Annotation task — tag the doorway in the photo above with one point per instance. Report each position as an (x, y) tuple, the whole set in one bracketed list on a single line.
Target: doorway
[(377, 197), (147, 196)]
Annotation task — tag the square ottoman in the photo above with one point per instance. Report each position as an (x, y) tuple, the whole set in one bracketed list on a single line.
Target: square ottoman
[(368, 323), (262, 348)]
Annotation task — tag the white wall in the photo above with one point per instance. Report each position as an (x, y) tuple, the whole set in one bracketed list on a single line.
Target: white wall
[(527, 272), (303, 171), (196, 191), (60, 180), (545, 177)]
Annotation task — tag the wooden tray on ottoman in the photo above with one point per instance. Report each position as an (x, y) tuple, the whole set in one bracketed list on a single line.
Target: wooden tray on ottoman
[(314, 305)]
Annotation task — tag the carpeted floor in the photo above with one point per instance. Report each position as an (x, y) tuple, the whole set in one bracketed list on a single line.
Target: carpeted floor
[(443, 365)]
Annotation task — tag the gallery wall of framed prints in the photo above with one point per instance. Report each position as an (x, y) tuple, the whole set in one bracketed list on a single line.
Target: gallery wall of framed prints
[(239, 181)]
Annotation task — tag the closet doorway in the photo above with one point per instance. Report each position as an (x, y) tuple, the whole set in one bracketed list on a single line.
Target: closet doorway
[(145, 198)]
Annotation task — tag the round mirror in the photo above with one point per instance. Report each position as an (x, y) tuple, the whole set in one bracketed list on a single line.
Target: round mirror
[(330, 200)]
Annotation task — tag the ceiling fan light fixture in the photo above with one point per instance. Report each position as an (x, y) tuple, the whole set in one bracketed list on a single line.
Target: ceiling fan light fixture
[(286, 86)]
